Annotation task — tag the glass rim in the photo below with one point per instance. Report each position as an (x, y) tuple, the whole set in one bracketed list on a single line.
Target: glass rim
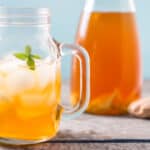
[(22, 11), (24, 16)]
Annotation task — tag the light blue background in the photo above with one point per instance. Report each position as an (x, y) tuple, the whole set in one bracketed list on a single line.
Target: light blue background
[(65, 16)]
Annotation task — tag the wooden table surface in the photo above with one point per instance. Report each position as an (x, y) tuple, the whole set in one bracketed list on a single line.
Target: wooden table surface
[(90, 132)]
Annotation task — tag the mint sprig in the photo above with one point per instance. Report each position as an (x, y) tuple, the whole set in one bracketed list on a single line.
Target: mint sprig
[(28, 57)]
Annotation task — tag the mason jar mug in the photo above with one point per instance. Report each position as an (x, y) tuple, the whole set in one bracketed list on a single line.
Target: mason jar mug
[(30, 77)]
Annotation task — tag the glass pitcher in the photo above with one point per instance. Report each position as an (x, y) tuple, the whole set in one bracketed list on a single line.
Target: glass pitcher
[(30, 77), (109, 33)]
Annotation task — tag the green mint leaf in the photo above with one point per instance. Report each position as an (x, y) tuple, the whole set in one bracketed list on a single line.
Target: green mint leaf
[(31, 63), (28, 50), (36, 56), (21, 56), (28, 57)]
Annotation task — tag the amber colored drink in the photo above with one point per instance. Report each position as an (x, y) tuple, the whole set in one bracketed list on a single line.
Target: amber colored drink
[(29, 100), (112, 42)]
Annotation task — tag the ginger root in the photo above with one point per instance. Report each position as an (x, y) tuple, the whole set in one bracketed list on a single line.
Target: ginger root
[(140, 108)]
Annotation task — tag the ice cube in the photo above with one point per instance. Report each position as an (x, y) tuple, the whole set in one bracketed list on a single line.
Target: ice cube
[(33, 105), (5, 103), (20, 80), (5, 68), (2, 81), (10, 57), (45, 74), (10, 63)]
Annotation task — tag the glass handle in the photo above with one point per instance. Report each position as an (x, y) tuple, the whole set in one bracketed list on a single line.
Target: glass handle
[(83, 58)]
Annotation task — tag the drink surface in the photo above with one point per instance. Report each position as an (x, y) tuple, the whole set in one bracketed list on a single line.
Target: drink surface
[(29, 99), (111, 40)]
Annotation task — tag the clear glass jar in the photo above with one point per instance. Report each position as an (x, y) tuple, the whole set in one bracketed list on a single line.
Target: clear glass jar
[(109, 33), (30, 77)]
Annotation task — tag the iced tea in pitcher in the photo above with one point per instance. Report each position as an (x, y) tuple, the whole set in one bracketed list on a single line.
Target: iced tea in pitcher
[(108, 31)]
